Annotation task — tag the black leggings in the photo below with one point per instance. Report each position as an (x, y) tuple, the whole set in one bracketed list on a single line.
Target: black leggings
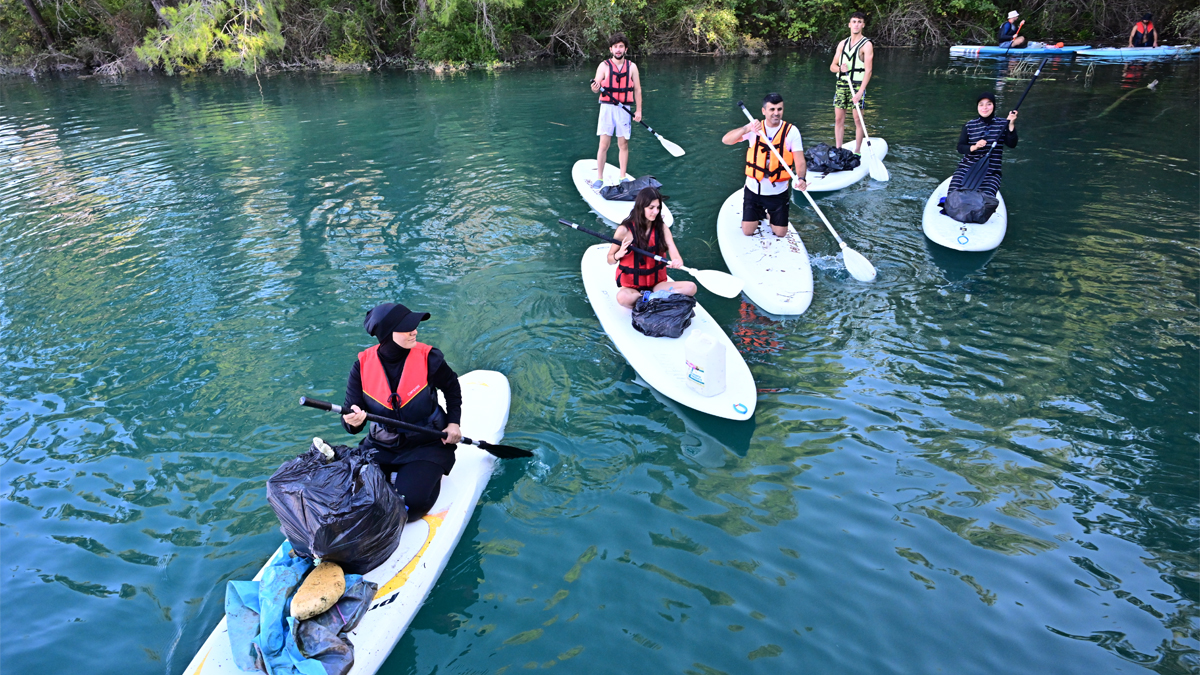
[(419, 482)]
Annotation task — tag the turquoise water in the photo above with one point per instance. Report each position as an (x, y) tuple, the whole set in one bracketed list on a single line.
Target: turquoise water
[(976, 464)]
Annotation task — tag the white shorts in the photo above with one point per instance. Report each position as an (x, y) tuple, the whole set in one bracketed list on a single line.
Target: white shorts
[(614, 121)]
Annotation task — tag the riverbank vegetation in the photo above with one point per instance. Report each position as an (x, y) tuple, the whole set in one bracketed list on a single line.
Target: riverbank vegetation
[(115, 36)]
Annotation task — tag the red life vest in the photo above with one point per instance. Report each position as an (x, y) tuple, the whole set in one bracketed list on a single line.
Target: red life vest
[(618, 84), (413, 380), (760, 161), (1143, 34), (644, 273)]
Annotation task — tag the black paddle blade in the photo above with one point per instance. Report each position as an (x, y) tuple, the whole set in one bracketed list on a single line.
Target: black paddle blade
[(504, 451), (978, 171)]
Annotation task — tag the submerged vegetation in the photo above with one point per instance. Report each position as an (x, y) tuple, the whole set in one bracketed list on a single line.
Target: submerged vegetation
[(255, 35)]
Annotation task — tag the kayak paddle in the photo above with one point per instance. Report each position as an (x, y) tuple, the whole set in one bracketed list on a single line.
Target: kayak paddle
[(978, 171), (672, 148), (722, 283), (875, 165), (856, 264), (501, 451)]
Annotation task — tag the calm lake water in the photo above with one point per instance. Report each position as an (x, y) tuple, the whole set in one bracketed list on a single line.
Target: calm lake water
[(976, 464)]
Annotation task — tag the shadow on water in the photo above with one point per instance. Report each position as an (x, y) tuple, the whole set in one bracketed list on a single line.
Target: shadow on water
[(958, 265), (706, 437)]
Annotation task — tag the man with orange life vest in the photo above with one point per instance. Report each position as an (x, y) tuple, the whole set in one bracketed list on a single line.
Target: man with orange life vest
[(622, 84), (645, 229), (1144, 34), (766, 192), (400, 378)]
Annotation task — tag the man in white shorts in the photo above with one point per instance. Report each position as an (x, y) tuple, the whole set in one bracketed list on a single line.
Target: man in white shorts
[(619, 77)]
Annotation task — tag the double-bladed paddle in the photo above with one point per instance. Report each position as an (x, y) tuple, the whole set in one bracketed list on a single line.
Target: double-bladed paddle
[(722, 283), (856, 264), (875, 165), (978, 171), (501, 451), (672, 148)]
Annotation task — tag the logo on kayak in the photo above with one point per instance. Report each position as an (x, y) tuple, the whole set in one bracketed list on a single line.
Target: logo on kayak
[(740, 408)]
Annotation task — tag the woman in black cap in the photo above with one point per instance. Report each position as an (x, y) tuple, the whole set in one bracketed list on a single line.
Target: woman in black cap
[(977, 136), (400, 378)]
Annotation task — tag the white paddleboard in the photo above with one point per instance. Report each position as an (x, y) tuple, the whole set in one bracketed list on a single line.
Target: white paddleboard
[(775, 270), (660, 361), (946, 231), (425, 545), (583, 174), (824, 182)]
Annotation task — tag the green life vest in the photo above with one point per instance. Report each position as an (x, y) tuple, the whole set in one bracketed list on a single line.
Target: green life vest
[(851, 58)]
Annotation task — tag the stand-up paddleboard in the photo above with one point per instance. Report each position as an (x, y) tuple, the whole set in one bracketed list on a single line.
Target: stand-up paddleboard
[(1039, 48), (583, 174), (836, 180), (948, 232), (775, 270), (425, 545), (660, 361), (1140, 53)]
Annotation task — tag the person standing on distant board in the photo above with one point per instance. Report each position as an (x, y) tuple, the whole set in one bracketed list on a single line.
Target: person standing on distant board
[(1144, 34), (619, 77), (852, 60), (1008, 33)]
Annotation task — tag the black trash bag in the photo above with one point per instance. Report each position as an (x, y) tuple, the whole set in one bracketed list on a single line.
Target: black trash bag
[(664, 317), (822, 158), (970, 206), (626, 191), (342, 511)]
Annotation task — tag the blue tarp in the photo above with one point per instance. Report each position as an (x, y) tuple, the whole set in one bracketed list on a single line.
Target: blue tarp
[(264, 636)]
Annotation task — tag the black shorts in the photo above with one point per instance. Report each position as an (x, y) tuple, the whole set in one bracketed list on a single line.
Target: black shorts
[(757, 207)]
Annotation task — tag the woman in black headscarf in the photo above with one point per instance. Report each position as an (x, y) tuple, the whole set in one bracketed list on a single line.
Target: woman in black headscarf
[(977, 136), (400, 378)]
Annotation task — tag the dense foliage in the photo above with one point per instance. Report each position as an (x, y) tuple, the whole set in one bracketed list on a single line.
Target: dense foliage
[(251, 35)]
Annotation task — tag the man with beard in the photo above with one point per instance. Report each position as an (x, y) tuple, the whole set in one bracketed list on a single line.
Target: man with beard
[(622, 84)]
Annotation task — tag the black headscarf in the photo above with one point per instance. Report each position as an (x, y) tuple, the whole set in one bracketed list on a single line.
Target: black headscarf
[(381, 322)]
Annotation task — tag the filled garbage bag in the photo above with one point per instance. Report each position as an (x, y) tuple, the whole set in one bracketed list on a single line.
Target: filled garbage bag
[(340, 510), (626, 191), (823, 158), (970, 206), (664, 316)]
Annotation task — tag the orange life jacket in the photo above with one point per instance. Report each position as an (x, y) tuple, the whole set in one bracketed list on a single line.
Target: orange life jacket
[(618, 84), (1143, 34), (413, 380), (760, 161), (645, 272)]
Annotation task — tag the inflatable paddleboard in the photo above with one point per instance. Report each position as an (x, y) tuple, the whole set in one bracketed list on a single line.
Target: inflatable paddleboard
[(946, 231), (1141, 53), (824, 182), (583, 174), (425, 545), (660, 361), (775, 270), (1038, 48)]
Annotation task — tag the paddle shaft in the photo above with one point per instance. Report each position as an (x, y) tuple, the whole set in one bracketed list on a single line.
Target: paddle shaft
[(975, 176), (378, 419), (877, 172), (610, 240), (604, 90), (762, 132)]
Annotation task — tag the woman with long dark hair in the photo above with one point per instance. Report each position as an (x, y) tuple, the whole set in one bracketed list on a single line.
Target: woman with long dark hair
[(644, 229)]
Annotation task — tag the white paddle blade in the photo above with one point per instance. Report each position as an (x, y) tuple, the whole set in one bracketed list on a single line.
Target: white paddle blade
[(857, 265), (875, 165), (672, 148), (722, 283)]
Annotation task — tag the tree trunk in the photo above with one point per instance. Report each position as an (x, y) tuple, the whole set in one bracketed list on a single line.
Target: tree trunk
[(158, 12), (37, 19)]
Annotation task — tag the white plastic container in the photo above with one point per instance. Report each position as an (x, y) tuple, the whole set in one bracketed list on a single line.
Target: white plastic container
[(705, 360)]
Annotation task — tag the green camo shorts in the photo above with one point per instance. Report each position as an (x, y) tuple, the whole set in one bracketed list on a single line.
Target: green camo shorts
[(842, 97)]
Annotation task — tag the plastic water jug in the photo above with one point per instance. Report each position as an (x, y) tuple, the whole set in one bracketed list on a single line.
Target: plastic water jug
[(706, 364)]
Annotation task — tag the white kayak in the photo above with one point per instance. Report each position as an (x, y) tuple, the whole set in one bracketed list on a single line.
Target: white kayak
[(425, 545), (824, 182), (660, 361), (1140, 53), (775, 270), (946, 231), (583, 174)]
